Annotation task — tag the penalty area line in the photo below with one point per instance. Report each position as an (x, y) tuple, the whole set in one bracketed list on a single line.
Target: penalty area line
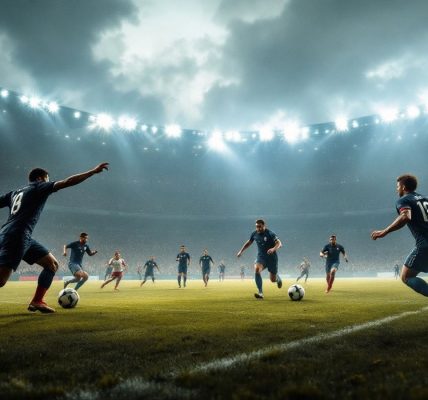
[(227, 362)]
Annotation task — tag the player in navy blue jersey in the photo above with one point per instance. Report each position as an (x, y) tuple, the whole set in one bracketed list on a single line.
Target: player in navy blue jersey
[(150, 266), (268, 243), (331, 252), (221, 270), (16, 242), (183, 259), (412, 209), (78, 249), (205, 262)]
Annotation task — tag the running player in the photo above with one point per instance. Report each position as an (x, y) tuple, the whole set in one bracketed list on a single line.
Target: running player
[(149, 266), (221, 270), (413, 212), (242, 272), (331, 252), (183, 259), (304, 269), (268, 243), (78, 249), (396, 271), (108, 271), (205, 262), (16, 242), (119, 265)]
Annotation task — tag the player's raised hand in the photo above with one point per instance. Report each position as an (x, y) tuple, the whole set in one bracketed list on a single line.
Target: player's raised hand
[(100, 168)]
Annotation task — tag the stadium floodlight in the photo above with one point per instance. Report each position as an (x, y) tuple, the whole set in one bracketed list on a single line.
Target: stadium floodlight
[(104, 121), (266, 134), (144, 128), (154, 129), (341, 124), (388, 115), (355, 124), (413, 112), (127, 124), (233, 136), (173, 131), (52, 107), (34, 102), (4, 93), (77, 114), (24, 99), (292, 132), (304, 132), (216, 142)]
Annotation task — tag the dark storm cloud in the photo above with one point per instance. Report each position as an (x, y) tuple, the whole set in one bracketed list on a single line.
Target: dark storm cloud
[(53, 40), (315, 56)]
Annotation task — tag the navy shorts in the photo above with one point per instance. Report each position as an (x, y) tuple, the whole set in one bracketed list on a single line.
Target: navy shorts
[(330, 266), (206, 271), (73, 267), (147, 274), (14, 248), (182, 269), (270, 262), (418, 259)]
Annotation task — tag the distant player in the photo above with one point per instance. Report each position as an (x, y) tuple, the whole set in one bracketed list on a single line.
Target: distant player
[(75, 264), (140, 271), (183, 259), (16, 242), (119, 266), (108, 271), (268, 243), (149, 267), (413, 212), (221, 270), (304, 269), (205, 262), (396, 271), (242, 272), (331, 252)]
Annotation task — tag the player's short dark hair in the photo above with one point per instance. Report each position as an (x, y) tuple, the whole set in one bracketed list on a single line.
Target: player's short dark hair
[(260, 222), (83, 234), (37, 173), (410, 182), (332, 236)]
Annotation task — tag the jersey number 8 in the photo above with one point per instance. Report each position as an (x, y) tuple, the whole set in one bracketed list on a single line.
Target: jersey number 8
[(16, 203)]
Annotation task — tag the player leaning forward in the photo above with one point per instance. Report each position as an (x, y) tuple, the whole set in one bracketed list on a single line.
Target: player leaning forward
[(268, 244), (413, 212), (16, 242)]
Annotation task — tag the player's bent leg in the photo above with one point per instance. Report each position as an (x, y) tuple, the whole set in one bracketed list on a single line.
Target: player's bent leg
[(258, 268), (5, 273), (83, 278), (410, 278)]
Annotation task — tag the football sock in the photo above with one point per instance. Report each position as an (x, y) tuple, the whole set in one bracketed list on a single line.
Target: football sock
[(43, 284), (259, 282), (184, 279), (74, 280), (79, 284), (278, 279), (179, 280), (418, 285), (330, 284)]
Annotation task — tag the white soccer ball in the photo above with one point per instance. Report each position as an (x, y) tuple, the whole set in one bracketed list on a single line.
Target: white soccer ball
[(68, 298), (296, 292)]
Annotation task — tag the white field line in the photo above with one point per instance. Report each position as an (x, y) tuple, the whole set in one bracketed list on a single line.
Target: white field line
[(227, 362)]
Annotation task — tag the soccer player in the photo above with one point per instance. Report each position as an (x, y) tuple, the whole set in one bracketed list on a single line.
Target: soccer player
[(205, 263), (119, 265), (331, 252), (16, 242), (78, 249), (183, 259), (268, 243), (108, 271), (412, 209), (396, 271), (304, 269), (149, 266), (242, 272), (221, 270)]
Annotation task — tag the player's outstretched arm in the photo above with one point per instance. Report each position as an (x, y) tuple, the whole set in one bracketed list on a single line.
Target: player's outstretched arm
[(79, 178), (244, 247), (64, 251), (404, 217)]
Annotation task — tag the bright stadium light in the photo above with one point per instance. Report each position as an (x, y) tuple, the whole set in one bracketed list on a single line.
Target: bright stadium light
[(173, 131), (304, 132), (4, 93), (77, 114), (127, 124), (388, 115), (104, 121), (341, 124), (233, 136), (154, 129), (52, 107), (266, 134), (292, 132), (355, 124), (144, 128), (413, 112), (24, 99), (216, 142), (34, 102)]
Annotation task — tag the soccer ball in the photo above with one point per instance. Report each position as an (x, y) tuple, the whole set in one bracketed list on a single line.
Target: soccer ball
[(296, 292), (68, 298)]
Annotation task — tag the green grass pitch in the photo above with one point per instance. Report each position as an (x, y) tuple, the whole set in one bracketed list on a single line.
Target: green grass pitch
[(150, 342)]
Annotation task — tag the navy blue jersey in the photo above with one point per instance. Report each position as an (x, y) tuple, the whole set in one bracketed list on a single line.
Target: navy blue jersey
[(206, 261), (333, 252), (183, 259), (77, 251), (222, 267), (418, 225), (25, 205), (150, 265), (265, 241)]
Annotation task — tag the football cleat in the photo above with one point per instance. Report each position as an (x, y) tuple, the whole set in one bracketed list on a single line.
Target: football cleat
[(259, 296), (40, 306)]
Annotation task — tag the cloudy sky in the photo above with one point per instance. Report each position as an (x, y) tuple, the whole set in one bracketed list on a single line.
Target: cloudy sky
[(218, 63)]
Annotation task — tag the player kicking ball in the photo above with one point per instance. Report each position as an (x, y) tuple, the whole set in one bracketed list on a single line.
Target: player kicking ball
[(268, 243), (119, 266), (16, 242)]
